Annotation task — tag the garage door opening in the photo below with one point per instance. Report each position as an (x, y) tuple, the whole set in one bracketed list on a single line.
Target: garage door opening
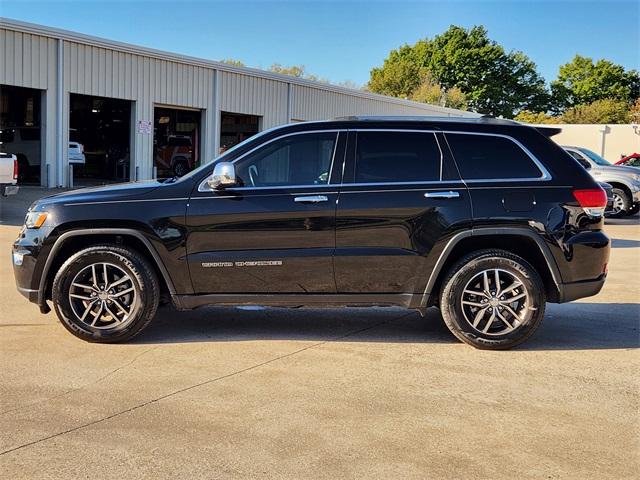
[(20, 132), (235, 128), (176, 141), (99, 139)]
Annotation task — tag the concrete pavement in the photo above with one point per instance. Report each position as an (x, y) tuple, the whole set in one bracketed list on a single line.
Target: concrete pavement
[(341, 393)]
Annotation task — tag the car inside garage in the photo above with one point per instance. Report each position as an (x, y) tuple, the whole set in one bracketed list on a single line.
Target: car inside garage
[(99, 139), (176, 141), (20, 133)]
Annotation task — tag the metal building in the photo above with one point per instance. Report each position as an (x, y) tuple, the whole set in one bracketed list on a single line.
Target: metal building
[(141, 113)]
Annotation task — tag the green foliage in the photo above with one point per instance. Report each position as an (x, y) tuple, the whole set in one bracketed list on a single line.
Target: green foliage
[(231, 61), (492, 80), (634, 112), (582, 81), (430, 91), (599, 111), (298, 71), (527, 116)]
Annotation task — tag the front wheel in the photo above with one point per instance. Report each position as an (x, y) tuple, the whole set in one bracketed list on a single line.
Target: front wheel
[(492, 299), (105, 293), (621, 203)]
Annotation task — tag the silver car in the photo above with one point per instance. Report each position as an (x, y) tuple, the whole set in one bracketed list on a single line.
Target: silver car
[(624, 180)]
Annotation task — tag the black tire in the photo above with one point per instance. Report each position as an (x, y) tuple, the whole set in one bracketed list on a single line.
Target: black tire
[(142, 279), (635, 209), (471, 267), (621, 197), (180, 168)]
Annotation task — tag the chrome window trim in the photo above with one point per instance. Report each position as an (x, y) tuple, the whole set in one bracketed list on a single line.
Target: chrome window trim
[(545, 175), (204, 186)]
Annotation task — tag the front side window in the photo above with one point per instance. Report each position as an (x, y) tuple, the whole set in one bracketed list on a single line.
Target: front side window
[(387, 157), (484, 157), (303, 159), (595, 157)]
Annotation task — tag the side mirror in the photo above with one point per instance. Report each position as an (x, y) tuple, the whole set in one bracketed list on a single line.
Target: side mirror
[(224, 175)]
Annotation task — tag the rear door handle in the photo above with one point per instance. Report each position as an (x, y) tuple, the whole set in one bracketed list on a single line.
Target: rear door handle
[(311, 199), (449, 194)]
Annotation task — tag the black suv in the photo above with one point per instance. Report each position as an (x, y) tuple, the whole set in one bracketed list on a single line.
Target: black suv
[(486, 219)]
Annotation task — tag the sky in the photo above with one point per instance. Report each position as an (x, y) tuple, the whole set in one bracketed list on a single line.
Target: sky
[(342, 41)]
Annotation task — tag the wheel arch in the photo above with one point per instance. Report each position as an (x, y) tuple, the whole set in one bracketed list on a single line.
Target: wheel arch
[(622, 186), (519, 241), (75, 240)]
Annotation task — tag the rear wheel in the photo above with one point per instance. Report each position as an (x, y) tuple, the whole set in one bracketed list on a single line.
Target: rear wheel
[(621, 203), (492, 299), (106, 294)]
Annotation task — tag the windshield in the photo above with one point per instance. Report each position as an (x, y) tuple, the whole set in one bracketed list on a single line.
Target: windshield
[(595, 157)]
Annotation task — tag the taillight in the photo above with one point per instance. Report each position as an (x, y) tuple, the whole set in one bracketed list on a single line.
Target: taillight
[(15, 169), (593, 201)]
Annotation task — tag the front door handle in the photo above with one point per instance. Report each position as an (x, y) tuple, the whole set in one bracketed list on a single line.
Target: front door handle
[(311, 199), (449, 194)]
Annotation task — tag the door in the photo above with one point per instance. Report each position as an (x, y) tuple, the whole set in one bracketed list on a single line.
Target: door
[(275, 232), (401, 195)]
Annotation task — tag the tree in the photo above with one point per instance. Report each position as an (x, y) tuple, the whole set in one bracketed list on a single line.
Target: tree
[(430, 91), (634, 112), (582, 81), (298, 71), (600, 111), (493, 81), (527, 116), (231, 61)]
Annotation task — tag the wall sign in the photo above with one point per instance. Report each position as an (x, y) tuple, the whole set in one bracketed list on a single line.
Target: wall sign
[(144, 127)]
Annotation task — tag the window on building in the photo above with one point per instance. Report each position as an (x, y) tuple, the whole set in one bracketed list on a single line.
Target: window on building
[(397, 157), (489, 157), (295, 160)]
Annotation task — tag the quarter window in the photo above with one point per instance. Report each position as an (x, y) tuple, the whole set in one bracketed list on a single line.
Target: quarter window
[(383, 157), (490, 157), (303, 159)]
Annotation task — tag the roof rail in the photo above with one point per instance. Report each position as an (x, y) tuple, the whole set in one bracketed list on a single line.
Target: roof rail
[(484, 119)]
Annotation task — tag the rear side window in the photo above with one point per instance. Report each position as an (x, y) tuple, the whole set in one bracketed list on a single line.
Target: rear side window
[(383, 157), (484, 157)]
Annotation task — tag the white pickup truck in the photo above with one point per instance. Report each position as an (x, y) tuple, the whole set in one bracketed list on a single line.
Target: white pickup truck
[(8, 174)]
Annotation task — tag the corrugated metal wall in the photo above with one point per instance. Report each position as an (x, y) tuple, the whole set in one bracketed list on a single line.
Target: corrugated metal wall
[(147, 78), (30, 61)]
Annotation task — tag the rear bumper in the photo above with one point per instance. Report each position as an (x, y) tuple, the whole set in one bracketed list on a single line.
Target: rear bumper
[(575, 290)]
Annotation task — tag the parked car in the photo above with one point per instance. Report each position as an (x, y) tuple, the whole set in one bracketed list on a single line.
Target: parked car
[(24, 143), (76, 153), (608, 189), (8, 174), (624, 180), (632, 160), (486, 219), (176, 156)]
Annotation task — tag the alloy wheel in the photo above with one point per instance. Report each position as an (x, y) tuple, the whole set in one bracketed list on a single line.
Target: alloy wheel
[(618, 203), (103, 296), (495, 302)]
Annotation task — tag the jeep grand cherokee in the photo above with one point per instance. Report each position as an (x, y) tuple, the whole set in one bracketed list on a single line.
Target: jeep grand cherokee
[(486, 219)]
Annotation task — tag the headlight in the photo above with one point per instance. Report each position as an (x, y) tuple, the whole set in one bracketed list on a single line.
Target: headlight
[(35, 219)]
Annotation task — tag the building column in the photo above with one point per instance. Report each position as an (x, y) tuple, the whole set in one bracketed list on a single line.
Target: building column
[(217, 118)]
